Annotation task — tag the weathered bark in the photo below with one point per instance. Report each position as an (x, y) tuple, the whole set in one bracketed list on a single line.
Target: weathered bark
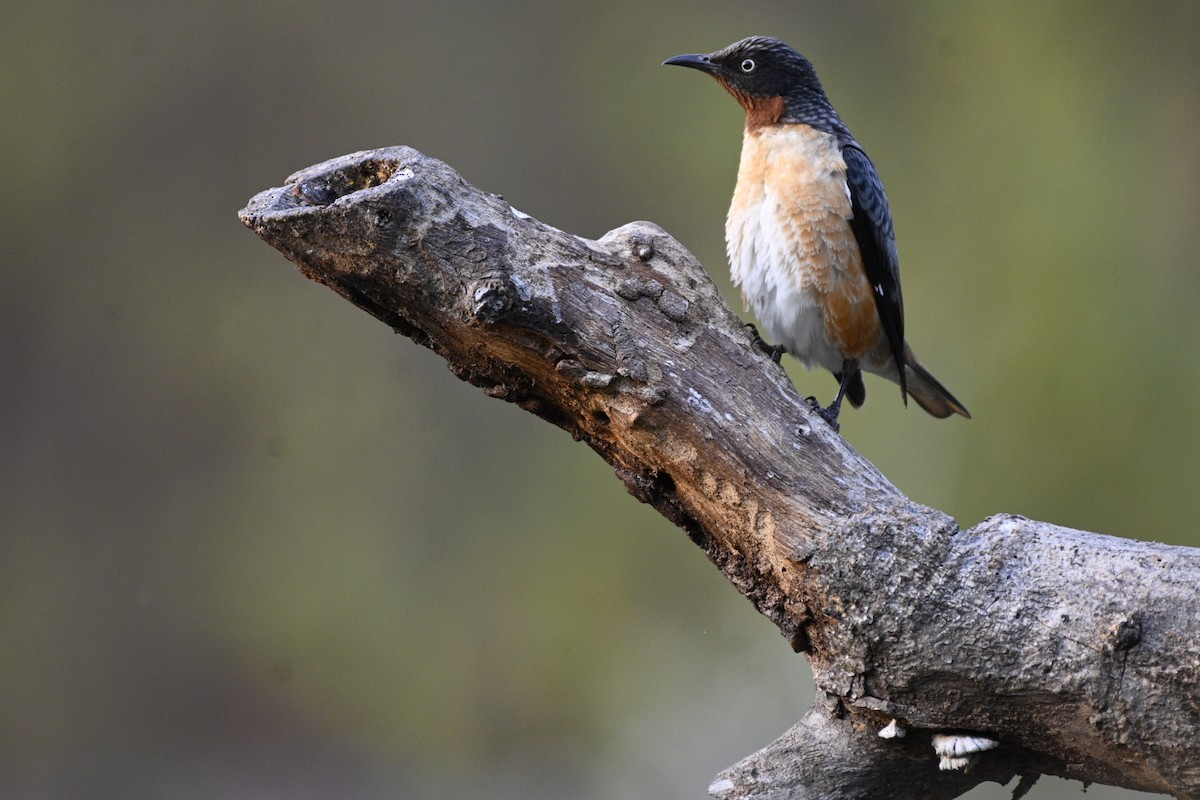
[(1079, 653)]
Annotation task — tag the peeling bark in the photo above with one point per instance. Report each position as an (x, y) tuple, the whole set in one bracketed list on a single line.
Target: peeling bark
[(1079, 653)]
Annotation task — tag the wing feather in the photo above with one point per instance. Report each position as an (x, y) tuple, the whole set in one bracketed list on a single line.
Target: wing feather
[(872, 226)]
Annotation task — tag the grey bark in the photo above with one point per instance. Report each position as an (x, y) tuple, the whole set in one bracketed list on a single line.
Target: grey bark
[(1079, 653)]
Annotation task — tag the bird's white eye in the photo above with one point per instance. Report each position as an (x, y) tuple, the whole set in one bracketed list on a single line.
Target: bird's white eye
[(748, 65)]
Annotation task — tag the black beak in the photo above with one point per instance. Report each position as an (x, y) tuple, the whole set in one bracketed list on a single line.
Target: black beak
[(693, 60)]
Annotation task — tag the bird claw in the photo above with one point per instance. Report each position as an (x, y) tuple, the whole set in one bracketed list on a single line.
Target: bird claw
[(830, 415), (774, 351)]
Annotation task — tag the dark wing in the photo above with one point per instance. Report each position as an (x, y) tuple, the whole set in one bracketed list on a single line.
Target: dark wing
[(872, 226)]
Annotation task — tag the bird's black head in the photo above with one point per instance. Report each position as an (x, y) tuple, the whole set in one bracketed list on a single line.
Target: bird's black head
[(763, 73)]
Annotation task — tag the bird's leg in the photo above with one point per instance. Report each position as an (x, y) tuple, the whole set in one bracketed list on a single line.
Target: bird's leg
[(830, 414), (775, 351)]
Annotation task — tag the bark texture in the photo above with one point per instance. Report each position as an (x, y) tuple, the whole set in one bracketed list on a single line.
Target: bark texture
[(1079, 653)]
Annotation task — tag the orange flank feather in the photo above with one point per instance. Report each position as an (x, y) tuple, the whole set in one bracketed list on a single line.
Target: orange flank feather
[(850, 316)]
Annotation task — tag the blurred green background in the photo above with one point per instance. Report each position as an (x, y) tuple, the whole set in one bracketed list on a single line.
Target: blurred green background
[(254, 545)]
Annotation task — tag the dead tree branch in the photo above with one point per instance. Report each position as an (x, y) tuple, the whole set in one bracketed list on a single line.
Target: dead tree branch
[(1079, 653)]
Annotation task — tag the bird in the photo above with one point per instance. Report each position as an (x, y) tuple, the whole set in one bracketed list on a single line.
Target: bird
[(809, 233)]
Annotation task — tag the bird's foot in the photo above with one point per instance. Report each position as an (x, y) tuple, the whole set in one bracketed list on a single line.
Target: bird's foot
[(775, 351), (830, 415), (847, 376)]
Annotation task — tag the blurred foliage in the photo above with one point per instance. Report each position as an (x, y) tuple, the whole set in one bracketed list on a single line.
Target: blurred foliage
[(254, 545)]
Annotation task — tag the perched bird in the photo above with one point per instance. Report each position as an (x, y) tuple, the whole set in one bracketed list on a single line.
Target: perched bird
[(809, 233)]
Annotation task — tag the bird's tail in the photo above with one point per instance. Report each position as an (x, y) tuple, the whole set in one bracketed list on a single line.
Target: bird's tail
[(928, 391)]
